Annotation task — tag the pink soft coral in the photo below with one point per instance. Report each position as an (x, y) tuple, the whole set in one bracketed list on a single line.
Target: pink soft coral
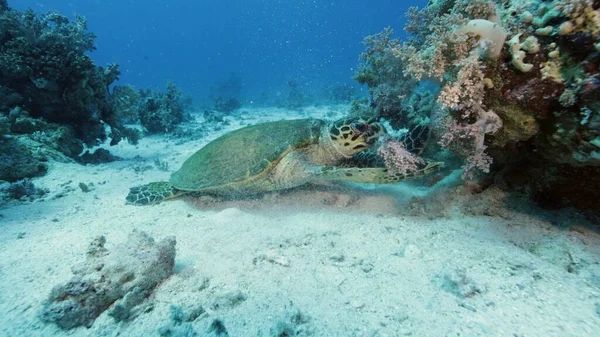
[(468, 140), (397, 158)]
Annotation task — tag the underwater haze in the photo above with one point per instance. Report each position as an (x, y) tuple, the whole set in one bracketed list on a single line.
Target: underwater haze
[(256, 168), (265, 42)]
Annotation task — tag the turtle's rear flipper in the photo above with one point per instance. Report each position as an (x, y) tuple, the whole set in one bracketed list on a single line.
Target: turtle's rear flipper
[(377, 175), (151, 193)]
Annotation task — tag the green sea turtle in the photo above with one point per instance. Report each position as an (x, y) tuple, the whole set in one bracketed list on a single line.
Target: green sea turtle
[(276, 156)]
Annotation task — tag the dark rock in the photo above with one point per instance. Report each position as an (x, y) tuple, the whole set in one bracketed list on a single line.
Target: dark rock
[(213, 116), (590, 90), (294, 324), (172, 330), (98, 157), (579, 44), (535, 95), (26, 125), (229, 300), (217, 328), (557, 186), (25, 189), (177, 327), (457, 283), (19, 161), (84, 188), (123, 277), (226, 94)]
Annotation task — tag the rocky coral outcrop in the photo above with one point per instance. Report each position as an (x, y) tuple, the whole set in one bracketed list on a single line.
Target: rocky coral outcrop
[(161, 112), (23, 157), (122, 278), (532, 66), (46, 70)]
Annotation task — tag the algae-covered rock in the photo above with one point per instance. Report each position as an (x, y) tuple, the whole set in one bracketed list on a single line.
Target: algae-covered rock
[(4, 125), (122, 278), (573, 138), (58, 137), (18, 160), (518, 124), (26, 155), (27, 125)]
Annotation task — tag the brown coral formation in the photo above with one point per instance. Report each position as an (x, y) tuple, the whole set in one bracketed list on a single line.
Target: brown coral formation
[(122, 278)]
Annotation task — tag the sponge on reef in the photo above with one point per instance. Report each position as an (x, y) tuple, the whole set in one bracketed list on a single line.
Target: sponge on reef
[(487, 31)]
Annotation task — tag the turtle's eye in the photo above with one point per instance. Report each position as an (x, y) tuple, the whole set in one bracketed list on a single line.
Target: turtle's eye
[(360, 127)]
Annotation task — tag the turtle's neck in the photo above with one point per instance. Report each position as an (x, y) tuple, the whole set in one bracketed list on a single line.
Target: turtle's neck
[(325, 152)]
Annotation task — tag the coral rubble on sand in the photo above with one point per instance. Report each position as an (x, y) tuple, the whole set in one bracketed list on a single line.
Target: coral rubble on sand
[(122, 278)]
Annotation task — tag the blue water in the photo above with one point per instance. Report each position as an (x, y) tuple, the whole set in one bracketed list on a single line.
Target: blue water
[(266, 42)]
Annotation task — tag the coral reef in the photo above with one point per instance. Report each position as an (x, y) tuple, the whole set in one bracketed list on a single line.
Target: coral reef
[(157, 112), (340, 93), (126, 100), (295, 98), (122, 278), (54, 100), (388, 83), (226, 94), (45, 71), (227, 104), (519, 79), (161, 112)]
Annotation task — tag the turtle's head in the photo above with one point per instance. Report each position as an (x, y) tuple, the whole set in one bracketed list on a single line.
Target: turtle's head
[(352, 135)]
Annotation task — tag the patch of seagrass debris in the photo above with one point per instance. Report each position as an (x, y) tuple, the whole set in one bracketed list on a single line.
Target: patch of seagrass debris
[(23, 190), (180, 325), (217, 329), (294, 323), (456, 282), (228, 300), (122, 278)]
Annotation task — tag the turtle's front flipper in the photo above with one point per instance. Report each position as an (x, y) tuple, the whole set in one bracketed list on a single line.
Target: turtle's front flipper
[(376, 175), (152, 193)]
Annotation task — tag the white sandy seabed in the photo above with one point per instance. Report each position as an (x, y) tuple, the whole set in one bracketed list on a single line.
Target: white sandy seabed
[(353, 261)]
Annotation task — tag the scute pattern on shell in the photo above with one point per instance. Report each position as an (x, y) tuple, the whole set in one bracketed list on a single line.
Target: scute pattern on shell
[(243, 153)]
